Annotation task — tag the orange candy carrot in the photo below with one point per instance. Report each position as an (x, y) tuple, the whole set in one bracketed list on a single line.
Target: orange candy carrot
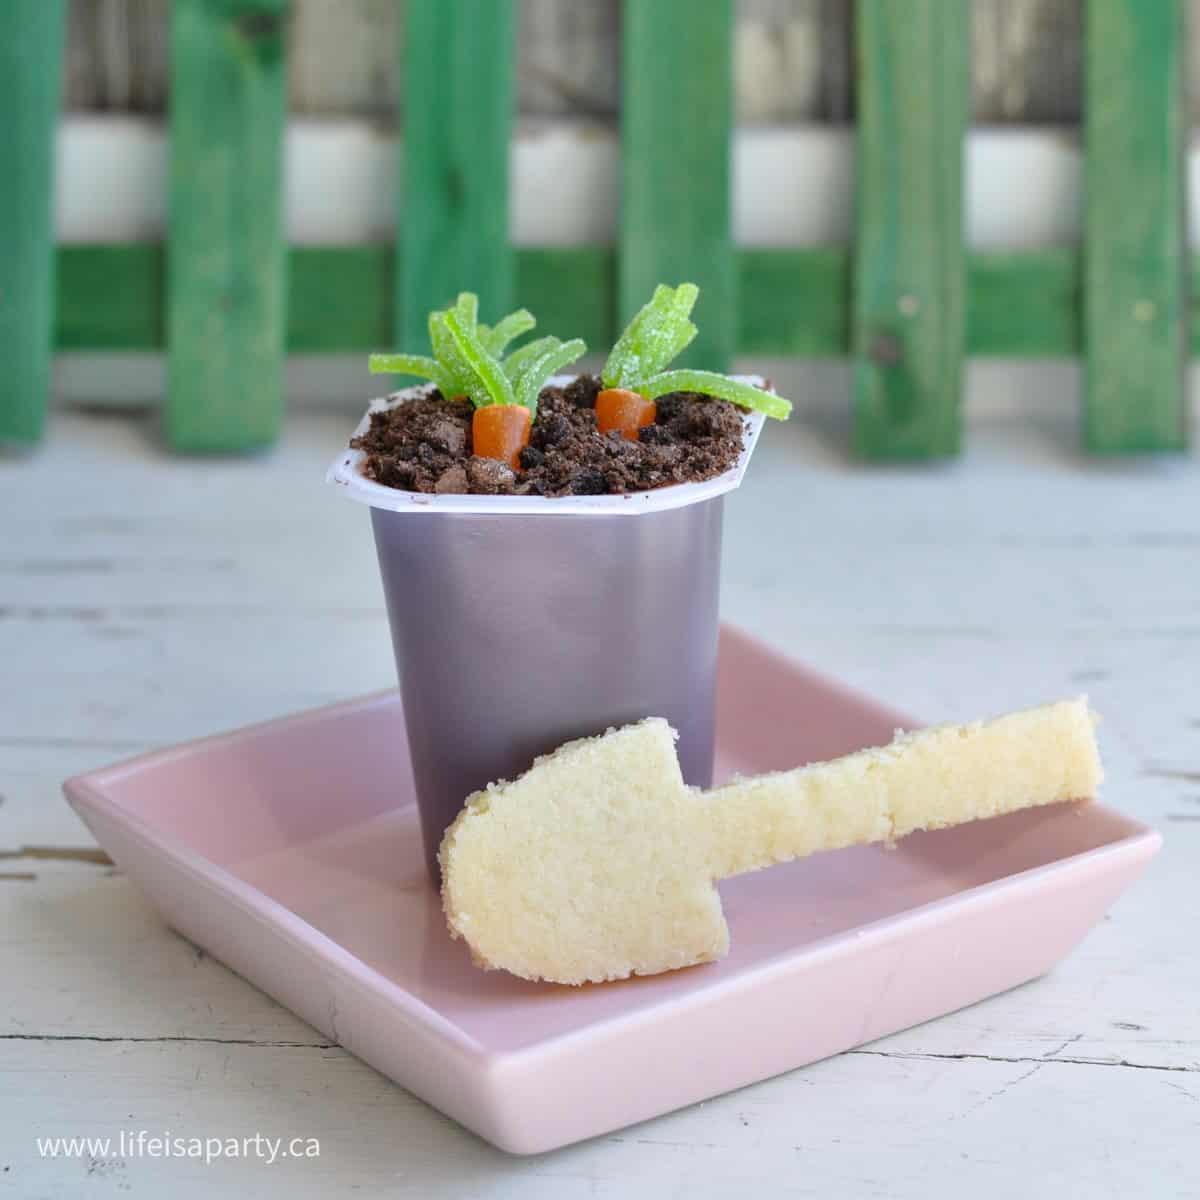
[(623, 410), (501, 431)]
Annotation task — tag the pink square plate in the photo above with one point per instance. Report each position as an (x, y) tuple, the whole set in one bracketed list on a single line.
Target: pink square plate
[(290, 852)]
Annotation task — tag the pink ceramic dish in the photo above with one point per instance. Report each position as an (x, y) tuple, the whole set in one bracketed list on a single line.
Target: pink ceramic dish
[(290, 851)]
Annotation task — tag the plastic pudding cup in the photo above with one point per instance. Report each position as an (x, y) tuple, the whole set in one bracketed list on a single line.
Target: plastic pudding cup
[(520, 622)]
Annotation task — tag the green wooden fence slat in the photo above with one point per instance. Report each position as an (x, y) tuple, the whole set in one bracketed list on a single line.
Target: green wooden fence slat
[(31, 44), (226, 285), (1135, 260), (910, 265), (676, 119), (458, 108)]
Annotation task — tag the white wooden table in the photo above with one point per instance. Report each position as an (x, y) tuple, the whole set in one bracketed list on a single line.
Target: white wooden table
[(145, 599)]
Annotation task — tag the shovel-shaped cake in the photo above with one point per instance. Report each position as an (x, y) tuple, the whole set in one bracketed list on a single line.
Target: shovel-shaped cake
[(600, 862)]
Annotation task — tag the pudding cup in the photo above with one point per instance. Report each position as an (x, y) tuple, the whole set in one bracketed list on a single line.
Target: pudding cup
[(520, 622)]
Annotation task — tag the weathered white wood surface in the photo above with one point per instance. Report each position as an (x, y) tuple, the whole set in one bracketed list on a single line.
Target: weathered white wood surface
[(792, 58), (145, 599)]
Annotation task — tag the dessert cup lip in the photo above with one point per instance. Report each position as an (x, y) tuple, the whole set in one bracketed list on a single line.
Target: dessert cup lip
[(345, 472)]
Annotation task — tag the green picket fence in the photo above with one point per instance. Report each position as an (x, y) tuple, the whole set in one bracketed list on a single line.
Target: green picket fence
[(227, 299)]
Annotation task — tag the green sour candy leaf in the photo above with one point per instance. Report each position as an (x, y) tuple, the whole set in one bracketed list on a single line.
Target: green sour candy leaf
[(446, 351), (623, 367), (531, 377), (403, 364), (518, 359), (656, 335), (496, 337), (456, 363), (466, 308), (489, 383), (675, 339), (709, 383), (686, 295), (679, 330), (666, 337), (412, 364)]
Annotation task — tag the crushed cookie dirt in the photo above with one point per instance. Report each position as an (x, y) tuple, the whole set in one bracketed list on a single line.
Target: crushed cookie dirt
[(424, 445)]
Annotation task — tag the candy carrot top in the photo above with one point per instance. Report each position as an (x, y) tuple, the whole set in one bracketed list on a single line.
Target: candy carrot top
[(467, 362), (635, 374)]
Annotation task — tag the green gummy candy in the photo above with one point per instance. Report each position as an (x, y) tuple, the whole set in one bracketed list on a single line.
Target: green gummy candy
[(466, 308), (527, 353), (533, 371), (488, 383), (413, 364), (496, 337), (709, 383), (658, 333)]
